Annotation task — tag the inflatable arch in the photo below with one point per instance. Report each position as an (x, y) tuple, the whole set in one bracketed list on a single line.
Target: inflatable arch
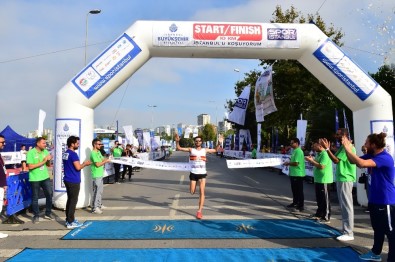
[(370, 103)]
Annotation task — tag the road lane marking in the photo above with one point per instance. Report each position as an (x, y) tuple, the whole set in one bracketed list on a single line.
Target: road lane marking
[(174, 206), (252, 179)]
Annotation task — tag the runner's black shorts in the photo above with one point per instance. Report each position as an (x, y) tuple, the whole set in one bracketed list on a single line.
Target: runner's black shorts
[(196, 177)]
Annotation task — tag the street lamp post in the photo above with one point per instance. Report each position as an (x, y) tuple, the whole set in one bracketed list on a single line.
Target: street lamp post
[(238, 72), (93, 12), (216, 121), (152, 114)]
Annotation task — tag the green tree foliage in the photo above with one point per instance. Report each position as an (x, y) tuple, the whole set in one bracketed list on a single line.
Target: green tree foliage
[(385, 76), (296, 90), (208, 133), (186, 142), (165, 136)]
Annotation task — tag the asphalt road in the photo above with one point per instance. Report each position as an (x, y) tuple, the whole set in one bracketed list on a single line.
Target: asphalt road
[(254, 193)]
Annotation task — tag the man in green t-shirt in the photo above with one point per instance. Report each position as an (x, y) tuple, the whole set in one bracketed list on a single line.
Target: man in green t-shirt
[(253, 152), (117, 152), (345, 178), (97, 169), (38, 159), (297, 174), (323, 178)]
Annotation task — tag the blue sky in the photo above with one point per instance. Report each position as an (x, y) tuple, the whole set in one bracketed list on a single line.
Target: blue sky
[(42, 45)]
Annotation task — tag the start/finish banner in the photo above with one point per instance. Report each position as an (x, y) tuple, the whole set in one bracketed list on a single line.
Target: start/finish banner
[(161, 165), (230, 35), (248, 163), (186, 166)]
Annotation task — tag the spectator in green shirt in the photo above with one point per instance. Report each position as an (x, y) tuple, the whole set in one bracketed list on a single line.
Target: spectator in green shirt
[(297, 174), (323, 178), (38, 159), (97, 169), (117, 152), (253, 152), (345, 178)]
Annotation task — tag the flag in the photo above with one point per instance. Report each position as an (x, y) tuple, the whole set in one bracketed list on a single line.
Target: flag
[(301, 127), (238, 114), (140, 139), (128, 134), (236, 142), (259, 134), (264, 99), (346, 123), (41, 118), (244, 138), (195, 132), (146, 140), (188, 130)]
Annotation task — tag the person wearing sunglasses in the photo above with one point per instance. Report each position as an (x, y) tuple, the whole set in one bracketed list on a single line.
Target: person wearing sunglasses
[(197, 158), (97, 168)]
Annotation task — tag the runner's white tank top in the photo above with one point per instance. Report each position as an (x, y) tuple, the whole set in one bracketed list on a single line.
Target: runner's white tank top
[(197, 158)]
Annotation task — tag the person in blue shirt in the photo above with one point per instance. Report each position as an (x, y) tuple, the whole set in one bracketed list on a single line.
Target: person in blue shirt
[(72, 179), (381, 192)]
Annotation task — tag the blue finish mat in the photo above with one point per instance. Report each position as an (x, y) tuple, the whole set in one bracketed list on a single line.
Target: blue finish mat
[(202, 229), (189, 255)]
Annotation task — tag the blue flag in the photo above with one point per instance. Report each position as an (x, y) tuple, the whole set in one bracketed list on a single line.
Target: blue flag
[(336, 120), (337, 126), (346, 123)]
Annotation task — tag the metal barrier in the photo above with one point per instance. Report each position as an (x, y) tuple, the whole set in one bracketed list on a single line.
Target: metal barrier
[(19, 196)]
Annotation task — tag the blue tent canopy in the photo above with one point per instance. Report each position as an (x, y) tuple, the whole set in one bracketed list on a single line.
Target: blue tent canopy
[(15, 140)]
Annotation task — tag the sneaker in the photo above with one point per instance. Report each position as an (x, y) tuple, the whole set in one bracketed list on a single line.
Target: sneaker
[(314, 216), (370, 256), (2, 235), (36, 220), (97, 211), (48, 217), (117, 183), (292, 205), (345, 237), (103, 207), (298, 209), (324, 221), (74, 224), (199, 215)]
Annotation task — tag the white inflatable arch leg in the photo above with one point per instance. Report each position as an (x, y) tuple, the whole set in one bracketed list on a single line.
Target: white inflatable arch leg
[(370, 103)]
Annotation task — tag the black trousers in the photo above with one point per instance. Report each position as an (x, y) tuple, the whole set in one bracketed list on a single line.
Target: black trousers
[(322, 197), (297, 191), (382, 218), (73, 190), (117, 167), (128, 169)]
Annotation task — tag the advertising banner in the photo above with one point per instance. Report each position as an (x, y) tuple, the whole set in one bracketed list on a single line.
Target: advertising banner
[(63, 129), (264, 98)]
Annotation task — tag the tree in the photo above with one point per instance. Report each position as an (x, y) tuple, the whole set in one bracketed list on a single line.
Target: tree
[(385, 76), (296, 90), (165, 136), (208, 133), (186, 142)]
